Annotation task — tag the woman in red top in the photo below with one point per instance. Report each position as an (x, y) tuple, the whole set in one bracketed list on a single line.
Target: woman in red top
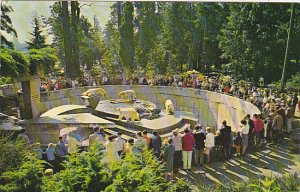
[(258, 129)]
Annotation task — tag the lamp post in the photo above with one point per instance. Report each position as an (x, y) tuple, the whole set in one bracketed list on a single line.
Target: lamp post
[(287, 48)]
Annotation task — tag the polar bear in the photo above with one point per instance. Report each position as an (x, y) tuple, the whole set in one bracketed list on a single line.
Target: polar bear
[(128, 95), (92, 92), (169, 107), (128, 113)]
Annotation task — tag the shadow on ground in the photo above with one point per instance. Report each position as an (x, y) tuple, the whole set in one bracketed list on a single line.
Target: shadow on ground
[(269, 160)]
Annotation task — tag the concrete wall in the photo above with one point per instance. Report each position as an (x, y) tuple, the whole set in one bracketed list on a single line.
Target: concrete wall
[(211, 108)]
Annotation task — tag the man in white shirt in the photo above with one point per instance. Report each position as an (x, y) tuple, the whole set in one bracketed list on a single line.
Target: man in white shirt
[(94, 137), (120, 144), (177, 142), (98, 137)]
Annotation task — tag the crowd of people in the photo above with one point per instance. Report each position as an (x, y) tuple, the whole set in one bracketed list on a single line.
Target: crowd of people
[(193, 147), (261, 97)]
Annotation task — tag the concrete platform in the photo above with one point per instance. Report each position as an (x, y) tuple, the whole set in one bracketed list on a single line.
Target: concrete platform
[(66, 109), (163, 125), (74, 119)]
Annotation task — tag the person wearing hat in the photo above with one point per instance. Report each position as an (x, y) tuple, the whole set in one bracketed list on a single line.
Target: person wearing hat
[(120, 144), (177, 142), (111, 154), (73, 144), (94, 137), (188, 142)]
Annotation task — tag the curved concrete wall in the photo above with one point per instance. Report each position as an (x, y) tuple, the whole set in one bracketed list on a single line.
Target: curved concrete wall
[(211, 108)]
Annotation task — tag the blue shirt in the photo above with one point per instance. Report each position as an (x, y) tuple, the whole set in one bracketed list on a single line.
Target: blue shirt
[(50, 153), (77, 137), (61, 149), (39, 153)]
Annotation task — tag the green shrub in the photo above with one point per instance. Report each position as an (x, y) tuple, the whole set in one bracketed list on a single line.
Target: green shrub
[(26, 178), (82, 172), (12, 152)]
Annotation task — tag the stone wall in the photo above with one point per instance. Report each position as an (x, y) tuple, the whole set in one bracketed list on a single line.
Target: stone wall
[(211, 108)]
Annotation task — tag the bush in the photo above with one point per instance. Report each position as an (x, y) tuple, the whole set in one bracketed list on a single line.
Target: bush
[(293, 84), (27, 178), (12, 152), (82, 172), (138, 172)]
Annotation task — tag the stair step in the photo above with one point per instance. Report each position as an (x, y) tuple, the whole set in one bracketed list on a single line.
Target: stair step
[(181, 130), (111, 132), (126, 131)]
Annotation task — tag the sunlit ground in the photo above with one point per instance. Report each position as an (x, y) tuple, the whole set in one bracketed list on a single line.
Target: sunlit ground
[(270, 160)]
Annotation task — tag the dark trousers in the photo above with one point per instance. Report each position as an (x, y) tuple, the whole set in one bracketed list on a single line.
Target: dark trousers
[(275, 136), (177, 159), (250, 141), (226, 152)]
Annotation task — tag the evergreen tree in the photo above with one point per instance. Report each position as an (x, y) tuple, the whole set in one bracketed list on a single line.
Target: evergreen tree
[(38, 40), (126, 30), (6, 25)]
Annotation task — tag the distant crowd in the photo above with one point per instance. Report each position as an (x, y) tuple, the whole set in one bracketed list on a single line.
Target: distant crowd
[(263, 98)]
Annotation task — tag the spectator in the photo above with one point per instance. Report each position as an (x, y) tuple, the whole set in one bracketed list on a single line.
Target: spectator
[(277, 127), (145, 136), (73, 144), (187, 149), (177, 142), (140, 142), (209, 143), (199, 136), (250, 134), (155, 143), (37, 150), (169, 152), (129, 146), (50, 154), (258, 129), (236, 143), (289, 115), (244, 132), (120, 144), (225, 132), (60, 149), (111, 154)]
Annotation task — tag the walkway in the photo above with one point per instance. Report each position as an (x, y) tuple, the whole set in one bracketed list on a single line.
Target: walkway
[(270, 161)]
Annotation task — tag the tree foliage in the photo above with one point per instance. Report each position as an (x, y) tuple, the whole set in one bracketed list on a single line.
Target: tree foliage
[(13, 63), (41, 60), (82, 172), (28, 177), (12, 153), (38, 40), (6, 26)]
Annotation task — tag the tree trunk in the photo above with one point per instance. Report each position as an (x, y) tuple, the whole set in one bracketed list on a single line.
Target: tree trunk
[(75, 13), (67, 40)]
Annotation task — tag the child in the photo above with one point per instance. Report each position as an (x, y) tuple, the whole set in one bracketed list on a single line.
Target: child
[(38, 151), (50, 153), (236, 143)]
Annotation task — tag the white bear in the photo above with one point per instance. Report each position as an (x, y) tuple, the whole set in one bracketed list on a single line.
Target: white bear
[(97, 91), (128, 113), (128, 95), (169, 107)]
